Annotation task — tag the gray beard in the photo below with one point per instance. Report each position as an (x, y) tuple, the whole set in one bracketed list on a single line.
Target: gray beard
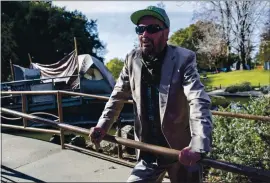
[(148, 56), (151, 54)]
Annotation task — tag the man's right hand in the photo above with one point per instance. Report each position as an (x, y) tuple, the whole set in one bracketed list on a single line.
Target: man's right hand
[(97, 134)]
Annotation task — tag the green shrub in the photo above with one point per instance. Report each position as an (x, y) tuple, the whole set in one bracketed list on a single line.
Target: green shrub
[(265, 89), (245, 86), (232, 89), (219, 101), (241, 141)]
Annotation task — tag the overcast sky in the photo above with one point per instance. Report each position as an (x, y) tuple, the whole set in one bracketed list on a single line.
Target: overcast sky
[(113, 20)]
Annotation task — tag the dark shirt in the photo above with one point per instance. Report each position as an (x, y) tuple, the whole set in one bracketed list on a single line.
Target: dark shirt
[(151, 74)]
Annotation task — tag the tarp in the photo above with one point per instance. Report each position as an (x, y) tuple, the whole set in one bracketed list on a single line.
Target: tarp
[(21, 73), (65, 67), (68, 66)]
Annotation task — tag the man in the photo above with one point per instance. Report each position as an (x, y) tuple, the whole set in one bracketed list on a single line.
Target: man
[(171, 107)]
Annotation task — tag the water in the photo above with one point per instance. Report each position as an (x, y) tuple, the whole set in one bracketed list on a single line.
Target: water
[(242, 100)]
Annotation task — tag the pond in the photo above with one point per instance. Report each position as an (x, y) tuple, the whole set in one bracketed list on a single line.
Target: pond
[(242, 100)]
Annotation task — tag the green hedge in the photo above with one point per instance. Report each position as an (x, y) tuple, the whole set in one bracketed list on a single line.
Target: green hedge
[(219, 101), (245, 86), (241, 141), (265, 89)]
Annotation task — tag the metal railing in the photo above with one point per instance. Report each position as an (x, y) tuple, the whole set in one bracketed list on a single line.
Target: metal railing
[(40, 79), (235, 168), (262, 175), (60, 93)]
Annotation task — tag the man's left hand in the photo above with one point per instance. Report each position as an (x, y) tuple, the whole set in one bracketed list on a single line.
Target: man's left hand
[(188, 157)]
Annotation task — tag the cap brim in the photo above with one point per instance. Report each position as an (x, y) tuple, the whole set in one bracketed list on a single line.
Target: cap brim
[(136, 16)]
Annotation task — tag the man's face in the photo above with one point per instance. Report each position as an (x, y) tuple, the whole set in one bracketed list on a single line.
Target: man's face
[(152, 44)]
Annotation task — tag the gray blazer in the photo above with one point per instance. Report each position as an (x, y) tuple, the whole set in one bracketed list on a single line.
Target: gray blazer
[(185, 114)]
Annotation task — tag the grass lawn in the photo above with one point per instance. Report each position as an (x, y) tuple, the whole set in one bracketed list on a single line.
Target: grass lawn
[(236, 77)]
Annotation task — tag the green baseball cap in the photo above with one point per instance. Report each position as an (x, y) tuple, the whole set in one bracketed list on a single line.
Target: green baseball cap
[(154, 11)]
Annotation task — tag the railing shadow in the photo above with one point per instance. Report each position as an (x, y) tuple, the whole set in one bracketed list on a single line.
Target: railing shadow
[(7, 173)]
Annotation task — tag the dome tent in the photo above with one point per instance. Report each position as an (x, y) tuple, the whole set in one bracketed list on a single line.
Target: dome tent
[(94, 76)]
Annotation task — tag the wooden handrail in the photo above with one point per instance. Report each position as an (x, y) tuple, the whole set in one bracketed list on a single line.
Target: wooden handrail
[(243, 116), (30, 92), (235, 168), (31, 80), (85, 95)]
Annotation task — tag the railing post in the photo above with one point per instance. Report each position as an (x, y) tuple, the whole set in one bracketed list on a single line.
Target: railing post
[(24, 109), (120, 151), (60, 115)]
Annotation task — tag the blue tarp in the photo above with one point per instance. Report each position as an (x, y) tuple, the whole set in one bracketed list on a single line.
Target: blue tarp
[(21, 73)]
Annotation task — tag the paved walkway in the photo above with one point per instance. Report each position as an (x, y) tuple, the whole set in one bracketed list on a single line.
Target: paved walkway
[(29, 160)]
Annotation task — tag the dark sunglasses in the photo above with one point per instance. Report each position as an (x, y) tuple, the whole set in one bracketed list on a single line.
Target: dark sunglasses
[(151, 29)]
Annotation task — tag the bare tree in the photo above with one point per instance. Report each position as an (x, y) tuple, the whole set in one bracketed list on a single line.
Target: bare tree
[(212, 46), (239, 21), (136, 43), (161, 5), (264, 50)]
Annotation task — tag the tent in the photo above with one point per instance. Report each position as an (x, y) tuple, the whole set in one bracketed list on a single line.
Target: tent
[(93, 76)]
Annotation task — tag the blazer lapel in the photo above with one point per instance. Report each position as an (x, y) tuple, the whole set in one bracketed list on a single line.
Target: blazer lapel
[(165, 82)]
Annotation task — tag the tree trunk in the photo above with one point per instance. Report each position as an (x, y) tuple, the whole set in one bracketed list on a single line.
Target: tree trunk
[(228, 31), (243, 56)]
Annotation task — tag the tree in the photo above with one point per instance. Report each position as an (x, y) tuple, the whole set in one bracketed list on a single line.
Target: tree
[(264, 51), (212, 46), (115, 66), (204, 39), (186, 37), (8, 44), (136, 43), (264, 48), (161, 5), (239, 20), (46, 32)]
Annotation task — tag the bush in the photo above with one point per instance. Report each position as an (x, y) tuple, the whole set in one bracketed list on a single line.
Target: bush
[(241, 141), (245, 86), (232, 89), (219, 101), (265, 89)]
